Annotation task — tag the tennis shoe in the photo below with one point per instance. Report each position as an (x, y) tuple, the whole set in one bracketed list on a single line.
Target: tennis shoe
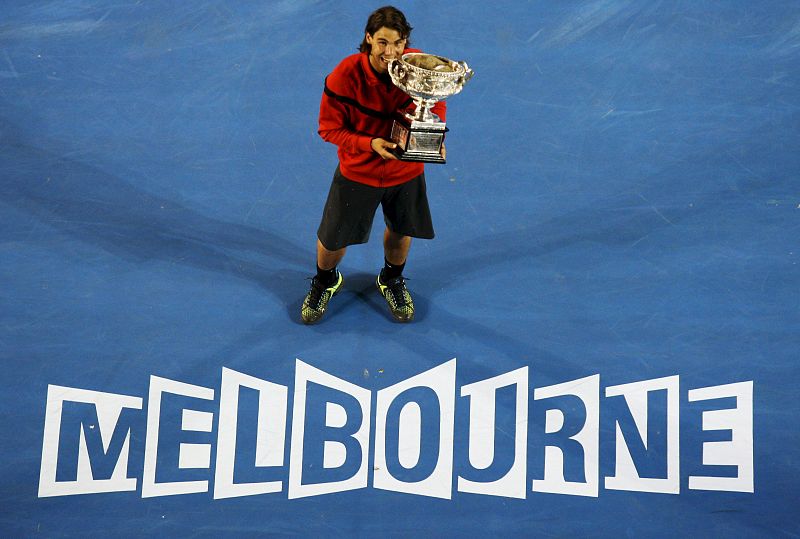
[(318, 297), (397, 297)]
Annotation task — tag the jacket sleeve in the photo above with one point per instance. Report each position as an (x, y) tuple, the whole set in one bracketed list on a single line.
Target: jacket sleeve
[(334, 123)]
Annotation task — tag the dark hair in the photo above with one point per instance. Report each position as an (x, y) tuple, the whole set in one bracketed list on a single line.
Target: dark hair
[(389, 17)]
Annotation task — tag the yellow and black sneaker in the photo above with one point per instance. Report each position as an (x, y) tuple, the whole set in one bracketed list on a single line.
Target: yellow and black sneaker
[(397, 297), (317, 299)]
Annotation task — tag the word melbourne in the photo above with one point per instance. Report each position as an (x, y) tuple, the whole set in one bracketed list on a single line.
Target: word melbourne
[(415, 437)]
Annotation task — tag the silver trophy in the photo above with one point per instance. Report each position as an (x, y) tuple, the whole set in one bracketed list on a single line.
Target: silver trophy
[(427, 79)]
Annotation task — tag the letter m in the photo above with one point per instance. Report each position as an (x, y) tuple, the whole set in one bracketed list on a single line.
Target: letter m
[(86, 442)]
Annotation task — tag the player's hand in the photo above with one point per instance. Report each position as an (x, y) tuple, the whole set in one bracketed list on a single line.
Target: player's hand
[(382, 147)]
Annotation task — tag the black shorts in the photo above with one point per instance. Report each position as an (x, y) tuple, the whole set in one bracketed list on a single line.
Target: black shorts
[(350, 210)]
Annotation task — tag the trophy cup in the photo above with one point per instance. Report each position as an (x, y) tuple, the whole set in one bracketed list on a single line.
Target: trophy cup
[(427, 79)]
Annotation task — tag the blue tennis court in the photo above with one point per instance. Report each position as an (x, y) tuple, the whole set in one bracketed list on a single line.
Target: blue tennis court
[(607, 327)]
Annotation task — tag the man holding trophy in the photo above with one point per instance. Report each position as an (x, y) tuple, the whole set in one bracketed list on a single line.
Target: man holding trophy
[(383, 138)]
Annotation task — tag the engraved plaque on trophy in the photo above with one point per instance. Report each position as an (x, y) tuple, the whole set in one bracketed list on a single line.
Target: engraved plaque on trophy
[(427, 78)]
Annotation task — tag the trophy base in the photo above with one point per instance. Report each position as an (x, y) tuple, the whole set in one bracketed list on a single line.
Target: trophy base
[(418, 141), (420, 157)]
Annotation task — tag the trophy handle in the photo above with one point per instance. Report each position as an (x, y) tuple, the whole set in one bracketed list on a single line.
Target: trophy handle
[(397, 70), (467, 73)]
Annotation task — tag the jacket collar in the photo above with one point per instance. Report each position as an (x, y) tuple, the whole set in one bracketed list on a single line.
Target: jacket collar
[(369, 71), (372, 76)]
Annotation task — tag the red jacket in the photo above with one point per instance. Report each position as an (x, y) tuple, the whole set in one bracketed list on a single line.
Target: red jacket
[(357, 106)]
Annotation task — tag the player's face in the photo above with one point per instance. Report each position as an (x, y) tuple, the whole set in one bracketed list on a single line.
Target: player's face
[(386, 45)]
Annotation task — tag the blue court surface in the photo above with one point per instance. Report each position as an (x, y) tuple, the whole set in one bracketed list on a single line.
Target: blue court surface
[(607, 331)]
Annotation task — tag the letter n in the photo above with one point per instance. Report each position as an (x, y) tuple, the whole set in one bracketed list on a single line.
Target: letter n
[(649, 438)]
